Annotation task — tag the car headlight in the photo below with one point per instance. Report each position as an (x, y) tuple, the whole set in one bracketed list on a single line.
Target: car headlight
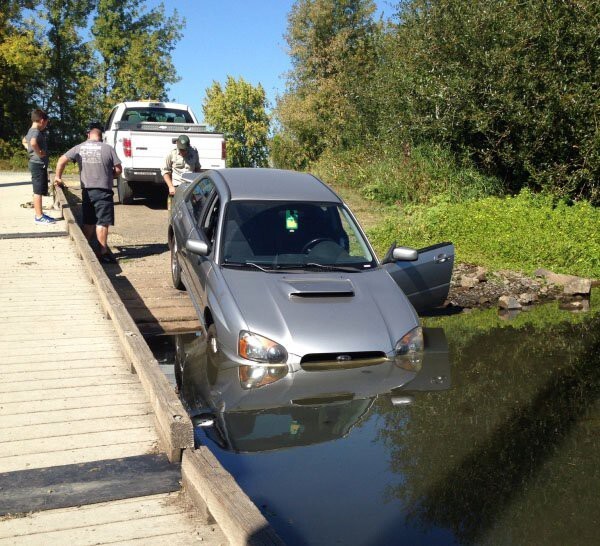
[(260, 349), (252, 377), (409, 350)]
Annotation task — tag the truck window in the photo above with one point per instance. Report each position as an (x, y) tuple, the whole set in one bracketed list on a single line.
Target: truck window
[(162, 115)]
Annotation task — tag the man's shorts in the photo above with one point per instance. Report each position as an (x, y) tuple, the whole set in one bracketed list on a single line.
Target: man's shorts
[(39, 177), (98, 207)]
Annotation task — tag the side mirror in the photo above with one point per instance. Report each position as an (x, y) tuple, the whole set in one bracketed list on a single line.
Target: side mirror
[(402, 253), (405, 254), (197, 247)]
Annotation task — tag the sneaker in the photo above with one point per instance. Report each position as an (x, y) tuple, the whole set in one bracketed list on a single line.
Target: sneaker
[(43, 219)]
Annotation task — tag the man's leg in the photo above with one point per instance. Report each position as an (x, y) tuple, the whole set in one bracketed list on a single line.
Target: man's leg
[(102, 236), (37, 205)]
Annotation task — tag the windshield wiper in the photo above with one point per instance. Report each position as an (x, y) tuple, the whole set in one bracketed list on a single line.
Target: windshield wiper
[(332, 267), (248, 264)]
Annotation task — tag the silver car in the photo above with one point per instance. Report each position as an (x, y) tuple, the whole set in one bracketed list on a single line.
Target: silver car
[(283, 277)]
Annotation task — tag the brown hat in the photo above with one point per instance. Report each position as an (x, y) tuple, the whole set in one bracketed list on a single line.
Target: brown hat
[(183, 142)]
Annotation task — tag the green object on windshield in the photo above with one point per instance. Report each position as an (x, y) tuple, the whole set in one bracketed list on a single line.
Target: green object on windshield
[(291, 220)]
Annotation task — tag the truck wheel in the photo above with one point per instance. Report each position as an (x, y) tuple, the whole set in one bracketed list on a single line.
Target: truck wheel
[(124, 191), (175, 267)]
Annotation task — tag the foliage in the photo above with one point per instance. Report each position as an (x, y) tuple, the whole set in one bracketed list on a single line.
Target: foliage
[(71, 68), (135, 48), (524, 232), (46, 62), (285, 152), (239, 112), (333, 55), (23, 60), (513, 84), (417, 174)]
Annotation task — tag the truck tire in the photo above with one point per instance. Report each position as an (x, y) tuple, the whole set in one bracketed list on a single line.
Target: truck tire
[(124, 191)]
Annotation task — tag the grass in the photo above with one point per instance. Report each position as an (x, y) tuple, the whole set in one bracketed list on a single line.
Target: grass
[(521, 233)]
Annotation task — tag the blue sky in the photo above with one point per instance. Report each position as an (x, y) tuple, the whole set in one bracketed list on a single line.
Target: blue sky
[(240, 38)]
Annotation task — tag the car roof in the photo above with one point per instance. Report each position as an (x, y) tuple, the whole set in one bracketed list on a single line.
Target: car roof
[(274, 185)]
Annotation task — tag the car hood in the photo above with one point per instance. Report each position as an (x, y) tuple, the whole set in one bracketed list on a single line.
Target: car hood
[(315, 313)]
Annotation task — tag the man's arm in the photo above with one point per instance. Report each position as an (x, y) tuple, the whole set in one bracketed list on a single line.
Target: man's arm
[(36, 147), (60, 168), (117, 170), (167, 172)]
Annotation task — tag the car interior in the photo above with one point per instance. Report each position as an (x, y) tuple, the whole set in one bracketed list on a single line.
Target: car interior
[(286, 233)]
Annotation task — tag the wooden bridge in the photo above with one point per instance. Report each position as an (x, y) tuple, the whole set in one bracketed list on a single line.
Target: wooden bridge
[(94, 443)]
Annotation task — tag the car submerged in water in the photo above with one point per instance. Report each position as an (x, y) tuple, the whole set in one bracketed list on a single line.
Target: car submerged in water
[(283, 278)]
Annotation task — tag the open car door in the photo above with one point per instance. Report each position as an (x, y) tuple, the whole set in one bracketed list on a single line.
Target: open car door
[(425, 281)]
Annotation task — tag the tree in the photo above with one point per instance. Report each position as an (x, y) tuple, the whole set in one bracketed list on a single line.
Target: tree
[(23, 59), (239, 112), (515, 85), (68, 80), (134, 47), (327, 103)]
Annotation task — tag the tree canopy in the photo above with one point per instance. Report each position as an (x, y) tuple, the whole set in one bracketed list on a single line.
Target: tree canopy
[(239, 112), (51, 58), (513, 87)]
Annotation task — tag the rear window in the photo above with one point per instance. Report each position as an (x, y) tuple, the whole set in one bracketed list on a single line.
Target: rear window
[(162, 115)]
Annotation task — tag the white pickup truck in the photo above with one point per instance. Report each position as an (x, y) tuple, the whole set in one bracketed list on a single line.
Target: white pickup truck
[(142, 133)]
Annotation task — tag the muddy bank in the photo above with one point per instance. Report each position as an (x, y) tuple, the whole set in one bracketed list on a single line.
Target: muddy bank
[(474, 287)]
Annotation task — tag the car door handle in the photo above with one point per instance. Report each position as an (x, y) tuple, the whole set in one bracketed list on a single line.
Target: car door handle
[(441, 258)]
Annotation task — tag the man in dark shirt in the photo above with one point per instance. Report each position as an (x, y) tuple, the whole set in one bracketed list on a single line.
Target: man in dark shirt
[(98, 166)]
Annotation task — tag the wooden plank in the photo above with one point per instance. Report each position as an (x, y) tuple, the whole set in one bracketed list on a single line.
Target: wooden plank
[(158, 519), (209, 484), (70, 362), (114, 450), (33, 397), (100, 402), (175, 327), (65, 341), (75, 415), (65, 428), (164, 314), (87, 483), (63, 383), (43, 375), (76, 441), (43, 354)]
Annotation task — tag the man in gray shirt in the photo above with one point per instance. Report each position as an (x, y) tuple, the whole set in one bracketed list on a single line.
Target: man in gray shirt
[(36, 144), (98, 166)]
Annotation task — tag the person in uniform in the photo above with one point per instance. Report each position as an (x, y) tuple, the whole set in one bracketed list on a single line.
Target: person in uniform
[(182, 159)]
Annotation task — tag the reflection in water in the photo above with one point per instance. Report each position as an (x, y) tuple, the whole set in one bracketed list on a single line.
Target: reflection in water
[(382, 455), (300, 408)]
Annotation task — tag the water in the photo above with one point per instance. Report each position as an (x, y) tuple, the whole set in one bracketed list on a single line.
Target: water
[(495, 441)]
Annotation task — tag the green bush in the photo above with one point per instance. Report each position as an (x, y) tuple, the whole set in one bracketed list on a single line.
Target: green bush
[(407, 175), (521, 233)]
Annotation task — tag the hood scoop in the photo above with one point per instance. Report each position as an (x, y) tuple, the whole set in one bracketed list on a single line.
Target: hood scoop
[(336, 288)]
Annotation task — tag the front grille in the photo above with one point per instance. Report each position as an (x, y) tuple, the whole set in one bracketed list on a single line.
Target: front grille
[(329, 361)]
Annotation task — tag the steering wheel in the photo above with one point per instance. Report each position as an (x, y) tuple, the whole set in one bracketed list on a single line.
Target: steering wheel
[(308, 246)]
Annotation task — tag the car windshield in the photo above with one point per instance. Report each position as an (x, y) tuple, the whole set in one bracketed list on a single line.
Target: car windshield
[(275, 235)]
